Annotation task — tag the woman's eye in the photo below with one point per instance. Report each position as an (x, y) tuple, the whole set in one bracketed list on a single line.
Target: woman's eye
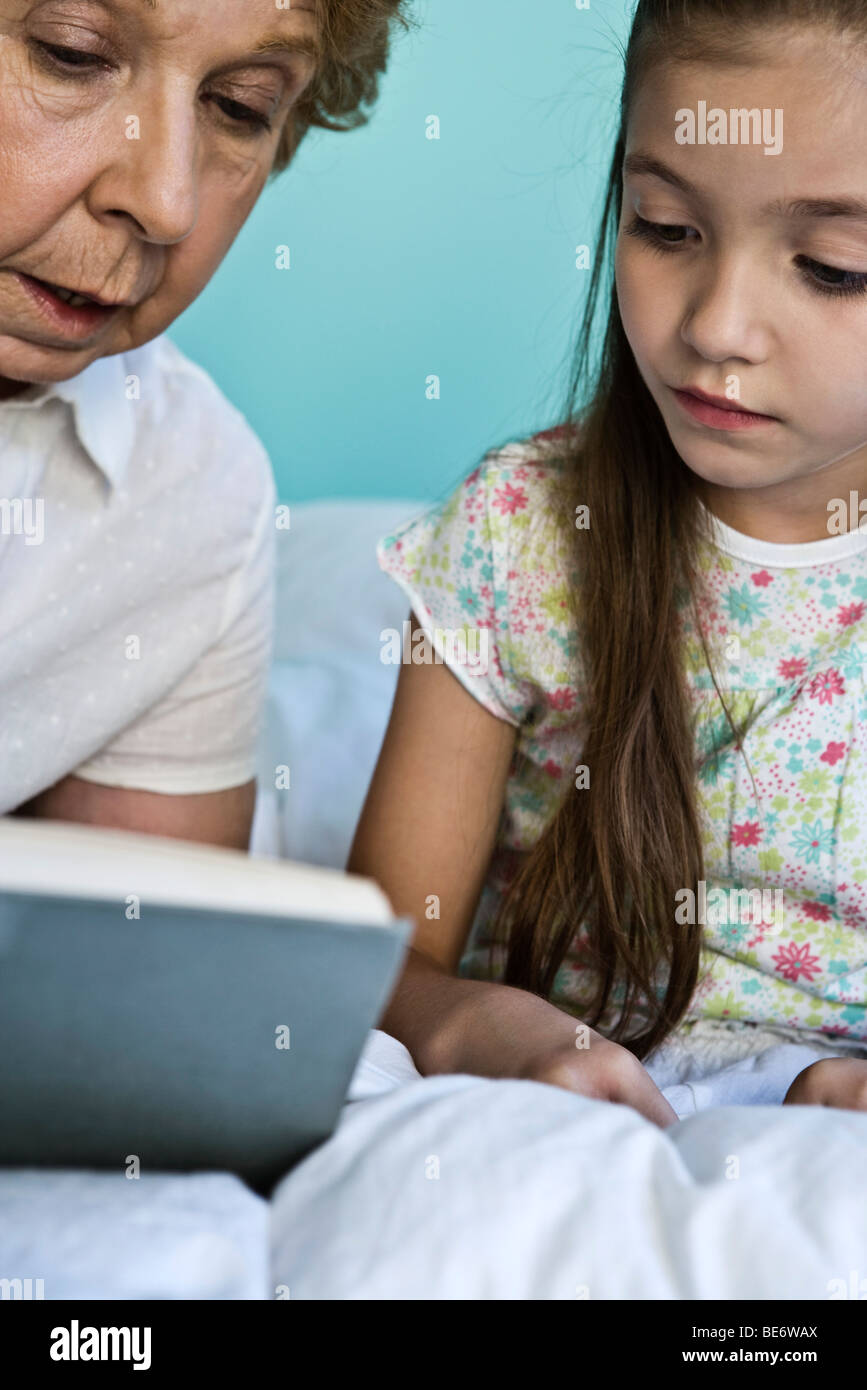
[(60, 58), (243, 115)]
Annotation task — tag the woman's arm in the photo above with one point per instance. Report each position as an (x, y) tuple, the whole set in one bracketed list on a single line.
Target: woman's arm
[(212, 818), (426, 834)]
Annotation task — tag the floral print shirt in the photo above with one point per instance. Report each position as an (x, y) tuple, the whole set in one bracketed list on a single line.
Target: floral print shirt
[(787, 813)]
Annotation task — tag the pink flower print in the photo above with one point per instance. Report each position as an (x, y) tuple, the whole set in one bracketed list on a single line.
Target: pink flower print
[(509, 500), (850, 613), (746, 834), (552, 769), (793, 961), (791, 669), (559, 432), (562, 699), (833, 753), (763, 579), (825, 685), (817, 912)]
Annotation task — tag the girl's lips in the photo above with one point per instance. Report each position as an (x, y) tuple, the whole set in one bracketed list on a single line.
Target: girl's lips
[(719, 418), (75, 324)]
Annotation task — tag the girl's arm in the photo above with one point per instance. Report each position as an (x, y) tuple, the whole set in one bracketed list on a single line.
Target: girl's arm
[(426, 834), (837, 1081)]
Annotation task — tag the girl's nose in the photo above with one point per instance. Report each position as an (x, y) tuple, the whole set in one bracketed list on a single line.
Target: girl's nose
[(724, 316)]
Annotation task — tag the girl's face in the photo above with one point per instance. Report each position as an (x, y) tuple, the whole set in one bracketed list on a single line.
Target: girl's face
[(750, 281), (135, 137)]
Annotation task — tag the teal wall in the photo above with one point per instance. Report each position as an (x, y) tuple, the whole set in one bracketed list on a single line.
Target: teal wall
[(412, 257)]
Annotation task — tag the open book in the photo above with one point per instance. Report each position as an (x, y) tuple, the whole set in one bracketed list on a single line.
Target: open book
[(55, 859), (184, 1005)]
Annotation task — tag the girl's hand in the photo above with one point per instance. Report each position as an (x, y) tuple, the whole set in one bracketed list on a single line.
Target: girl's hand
[(837, 1081), (602, 1071)]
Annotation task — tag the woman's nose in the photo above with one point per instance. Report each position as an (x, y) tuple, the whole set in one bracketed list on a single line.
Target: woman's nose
[(151, 176)]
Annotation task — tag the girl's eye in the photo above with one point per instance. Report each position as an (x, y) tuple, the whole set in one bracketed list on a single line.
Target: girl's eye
[(662, 235), (822, 279), (243, 115), (830, 279)]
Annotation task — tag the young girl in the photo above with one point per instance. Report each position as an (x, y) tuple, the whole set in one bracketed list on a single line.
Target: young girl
[(672, 699)]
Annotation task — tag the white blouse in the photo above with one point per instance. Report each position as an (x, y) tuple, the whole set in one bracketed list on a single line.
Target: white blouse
[(136, 568)]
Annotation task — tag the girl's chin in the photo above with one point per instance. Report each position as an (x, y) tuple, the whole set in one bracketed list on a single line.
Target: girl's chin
[(731, 461), (741, 478)]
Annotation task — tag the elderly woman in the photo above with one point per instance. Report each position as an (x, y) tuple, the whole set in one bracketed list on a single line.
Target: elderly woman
[(136, 504)]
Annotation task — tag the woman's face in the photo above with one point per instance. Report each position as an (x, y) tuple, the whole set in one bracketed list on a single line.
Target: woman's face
[(135, 138), (751, 284)]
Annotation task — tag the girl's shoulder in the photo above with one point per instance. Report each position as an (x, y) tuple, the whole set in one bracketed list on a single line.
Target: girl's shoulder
[(495, 554), (513, 493)]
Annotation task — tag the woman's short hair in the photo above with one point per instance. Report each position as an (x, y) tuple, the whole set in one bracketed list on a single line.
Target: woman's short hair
[(355, 36)]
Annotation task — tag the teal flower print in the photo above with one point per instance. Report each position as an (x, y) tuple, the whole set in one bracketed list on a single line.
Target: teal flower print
[(744, 605), (470, 601), (734, 934), (853, 1013), (717, 757), (852, 661), (811, 841)]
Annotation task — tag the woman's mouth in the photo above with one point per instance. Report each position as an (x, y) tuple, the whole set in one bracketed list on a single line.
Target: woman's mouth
[(726, 415), (77, 316)]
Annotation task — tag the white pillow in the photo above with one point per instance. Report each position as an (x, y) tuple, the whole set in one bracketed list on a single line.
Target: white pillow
[(329, 694)]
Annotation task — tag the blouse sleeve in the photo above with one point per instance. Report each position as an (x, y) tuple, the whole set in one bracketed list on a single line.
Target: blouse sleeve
[(466, 566)]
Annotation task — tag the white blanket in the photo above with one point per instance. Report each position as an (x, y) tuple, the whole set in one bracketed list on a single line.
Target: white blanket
[(462, 1188), (459, 1187)]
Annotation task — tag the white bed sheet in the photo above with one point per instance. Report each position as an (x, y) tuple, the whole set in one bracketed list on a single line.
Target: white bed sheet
[(88, 1235)]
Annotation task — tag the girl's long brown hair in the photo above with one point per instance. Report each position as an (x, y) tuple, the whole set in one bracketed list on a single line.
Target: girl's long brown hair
[(615, 854)]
